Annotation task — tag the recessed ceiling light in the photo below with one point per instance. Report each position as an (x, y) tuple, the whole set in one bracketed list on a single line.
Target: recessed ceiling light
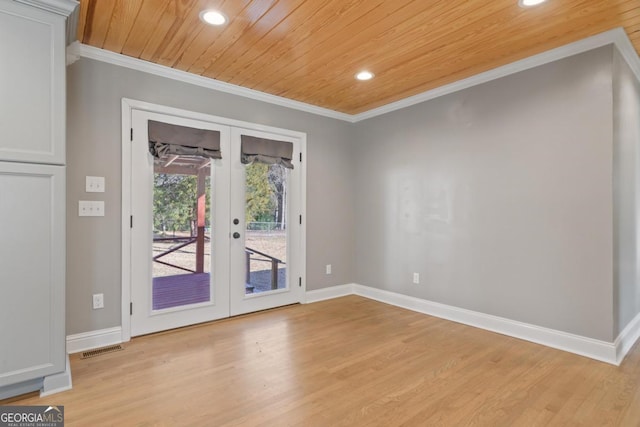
[(213, 17), (529, 3), (364, 75)]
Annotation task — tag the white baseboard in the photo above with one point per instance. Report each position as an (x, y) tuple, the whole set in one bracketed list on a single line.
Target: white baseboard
[(328, 293), (595, 349), (627, 338), (93, 339), (612, 353)]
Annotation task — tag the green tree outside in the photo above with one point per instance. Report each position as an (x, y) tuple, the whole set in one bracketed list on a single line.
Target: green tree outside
[(259, 194), (174, 198), (174, 202)]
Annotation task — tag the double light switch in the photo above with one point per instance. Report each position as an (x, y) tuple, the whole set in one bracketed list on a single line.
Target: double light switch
[(93, 184)]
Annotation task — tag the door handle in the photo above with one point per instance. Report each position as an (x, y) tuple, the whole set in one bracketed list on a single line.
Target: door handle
[(236, 235)]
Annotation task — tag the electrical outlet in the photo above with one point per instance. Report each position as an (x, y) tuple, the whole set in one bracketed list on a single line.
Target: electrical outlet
[(98, 301), (328, 269), (416, 278)]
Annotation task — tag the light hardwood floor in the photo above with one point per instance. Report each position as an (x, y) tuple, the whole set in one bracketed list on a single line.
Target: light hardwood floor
[(345, 362)]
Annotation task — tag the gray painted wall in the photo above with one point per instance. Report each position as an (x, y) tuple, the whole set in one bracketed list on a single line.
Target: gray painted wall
[(499, 196), (95, 91), (626, 143)]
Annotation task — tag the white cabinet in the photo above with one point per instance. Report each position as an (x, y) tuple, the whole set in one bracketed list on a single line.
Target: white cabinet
[(33, 36), (32, 84), (32, 226)]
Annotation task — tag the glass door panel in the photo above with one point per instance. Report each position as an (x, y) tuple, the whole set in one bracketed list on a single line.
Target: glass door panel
[(181, 232), (266, 228)]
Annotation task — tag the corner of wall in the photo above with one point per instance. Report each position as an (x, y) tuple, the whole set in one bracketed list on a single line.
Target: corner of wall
[(626, 181)]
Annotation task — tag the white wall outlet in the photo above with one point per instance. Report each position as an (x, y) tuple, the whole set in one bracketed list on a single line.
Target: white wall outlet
[(94, 184), (91, 208), (98, 301), (416, 278), (328, 269)]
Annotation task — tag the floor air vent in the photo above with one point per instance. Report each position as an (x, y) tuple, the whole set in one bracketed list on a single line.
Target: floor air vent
[(99, 351)]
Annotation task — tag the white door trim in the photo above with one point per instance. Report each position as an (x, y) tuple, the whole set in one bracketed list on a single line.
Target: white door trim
[(128, 105)]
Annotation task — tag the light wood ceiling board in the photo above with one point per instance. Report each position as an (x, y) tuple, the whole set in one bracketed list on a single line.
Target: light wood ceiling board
[(98, 18), (407, 36), (82, 19), (393, 90), (306, 21), (585, 26), (205, 51), (631, 17), (164, 29), (373, 43), (398, 49), (556, 30), (438, 68), (309, 50), (473, 60), (125, 14), (299, 56), (265, 25), (632, 23), (480, 46), (303, 58), (188, 29), (332, 38), (279, 29), (150, 14), (214, 40)]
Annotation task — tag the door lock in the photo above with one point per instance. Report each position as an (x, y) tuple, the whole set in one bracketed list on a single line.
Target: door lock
[(236, 235)]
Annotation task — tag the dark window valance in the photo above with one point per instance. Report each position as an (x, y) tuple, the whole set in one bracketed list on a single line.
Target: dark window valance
[(167, 139), (268, 151)]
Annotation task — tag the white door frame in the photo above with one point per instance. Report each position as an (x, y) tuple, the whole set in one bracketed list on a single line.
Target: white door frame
[(128, 105)]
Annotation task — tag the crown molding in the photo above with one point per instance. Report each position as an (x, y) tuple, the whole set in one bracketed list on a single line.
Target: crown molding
[(61, 7), (628, 52), (616, 37), (67, 8), (91, 52)]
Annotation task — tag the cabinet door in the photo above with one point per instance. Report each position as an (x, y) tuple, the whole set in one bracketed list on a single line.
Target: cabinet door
[(32, 262), (32, 84)]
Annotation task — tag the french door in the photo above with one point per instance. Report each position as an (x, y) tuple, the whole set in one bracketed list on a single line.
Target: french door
[(211, 238)]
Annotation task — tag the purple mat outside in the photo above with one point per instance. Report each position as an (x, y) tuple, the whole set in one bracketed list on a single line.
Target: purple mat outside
[(182, 289)]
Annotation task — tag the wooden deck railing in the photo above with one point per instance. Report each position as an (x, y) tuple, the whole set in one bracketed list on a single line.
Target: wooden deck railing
[(249, 252), (274, 265), (186, 242)]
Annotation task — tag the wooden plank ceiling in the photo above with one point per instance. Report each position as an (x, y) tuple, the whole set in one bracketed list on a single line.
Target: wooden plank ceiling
[(310, 50)]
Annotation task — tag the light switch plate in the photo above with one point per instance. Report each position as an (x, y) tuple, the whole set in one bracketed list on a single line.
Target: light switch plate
[(94, 184), (90, 208)]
